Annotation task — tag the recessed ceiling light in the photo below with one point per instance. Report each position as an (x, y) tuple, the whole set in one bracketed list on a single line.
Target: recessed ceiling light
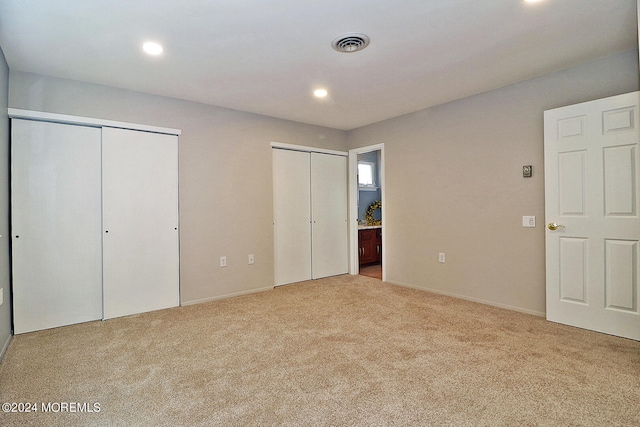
[(533, 1), (152, 48), (320, 93)]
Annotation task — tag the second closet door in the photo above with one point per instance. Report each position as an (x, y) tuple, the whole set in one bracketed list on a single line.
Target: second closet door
[(291, 216), (329, 215), (310, 215), (140, 221)]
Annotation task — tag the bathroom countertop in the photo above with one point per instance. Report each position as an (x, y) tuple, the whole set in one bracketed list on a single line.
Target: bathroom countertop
[(368, 227)]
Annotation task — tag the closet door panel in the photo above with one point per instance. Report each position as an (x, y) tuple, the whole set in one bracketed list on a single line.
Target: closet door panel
[(56, 227), (291, 216), (140, 221), (329, 215)]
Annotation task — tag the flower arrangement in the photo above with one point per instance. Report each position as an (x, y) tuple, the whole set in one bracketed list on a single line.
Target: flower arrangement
[(370, 210)]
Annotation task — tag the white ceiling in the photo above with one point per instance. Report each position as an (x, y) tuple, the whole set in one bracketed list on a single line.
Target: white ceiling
[(267, 57)]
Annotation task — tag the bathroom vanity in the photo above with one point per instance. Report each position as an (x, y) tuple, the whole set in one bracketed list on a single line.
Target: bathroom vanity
[(370, 244)]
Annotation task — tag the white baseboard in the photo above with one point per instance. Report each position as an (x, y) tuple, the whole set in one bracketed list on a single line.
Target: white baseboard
[(406, 285), (234, 294), (5, 346), (466, 298)]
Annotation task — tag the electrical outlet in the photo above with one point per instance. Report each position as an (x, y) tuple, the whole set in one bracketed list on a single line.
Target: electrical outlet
[(223, 261), (251, 259), (441, 257)]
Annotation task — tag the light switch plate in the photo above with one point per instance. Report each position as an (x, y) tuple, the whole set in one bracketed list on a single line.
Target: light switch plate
[(529, 221)]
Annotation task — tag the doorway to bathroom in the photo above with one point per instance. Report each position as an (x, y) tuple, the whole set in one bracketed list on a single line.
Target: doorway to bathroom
[(367, 225)]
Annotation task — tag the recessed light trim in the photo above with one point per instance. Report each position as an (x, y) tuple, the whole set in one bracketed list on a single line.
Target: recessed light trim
[(320, 93), (153, 48)]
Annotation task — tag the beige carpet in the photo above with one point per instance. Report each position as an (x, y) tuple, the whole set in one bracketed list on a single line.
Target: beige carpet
[(343, 351)]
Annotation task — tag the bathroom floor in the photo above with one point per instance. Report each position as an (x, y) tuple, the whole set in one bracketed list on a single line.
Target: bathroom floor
[(374, 271)]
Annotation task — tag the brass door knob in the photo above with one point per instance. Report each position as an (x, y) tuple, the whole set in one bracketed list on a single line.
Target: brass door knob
[(553, 226)]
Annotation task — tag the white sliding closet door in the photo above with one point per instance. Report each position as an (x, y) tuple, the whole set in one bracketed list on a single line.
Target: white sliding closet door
[(140, 221), (329, 215), (310, 215), (56, 228), (291, 216)]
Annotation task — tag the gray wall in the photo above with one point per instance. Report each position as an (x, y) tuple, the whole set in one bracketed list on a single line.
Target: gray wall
[(5, 308), (226, 206), (454, 184)]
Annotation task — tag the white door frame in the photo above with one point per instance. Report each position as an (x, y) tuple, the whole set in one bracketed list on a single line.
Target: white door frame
[(354, 267)]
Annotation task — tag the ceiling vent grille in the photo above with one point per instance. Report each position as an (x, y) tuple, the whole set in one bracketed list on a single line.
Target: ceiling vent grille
[(350, 42)]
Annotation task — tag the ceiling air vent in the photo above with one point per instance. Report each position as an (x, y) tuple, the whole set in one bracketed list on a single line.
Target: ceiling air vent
[(350, 42)]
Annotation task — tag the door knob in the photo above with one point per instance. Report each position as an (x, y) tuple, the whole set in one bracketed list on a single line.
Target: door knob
[(553, 226)]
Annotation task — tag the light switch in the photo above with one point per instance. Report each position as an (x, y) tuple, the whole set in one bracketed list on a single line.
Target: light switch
[(529, 221)]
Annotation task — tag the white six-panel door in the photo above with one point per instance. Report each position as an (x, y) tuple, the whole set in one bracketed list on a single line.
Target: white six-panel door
[(592, 184), (56, 227), (140, 221)]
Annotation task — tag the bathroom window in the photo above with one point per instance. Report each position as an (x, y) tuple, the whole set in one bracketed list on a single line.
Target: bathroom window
[(366, 176)]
